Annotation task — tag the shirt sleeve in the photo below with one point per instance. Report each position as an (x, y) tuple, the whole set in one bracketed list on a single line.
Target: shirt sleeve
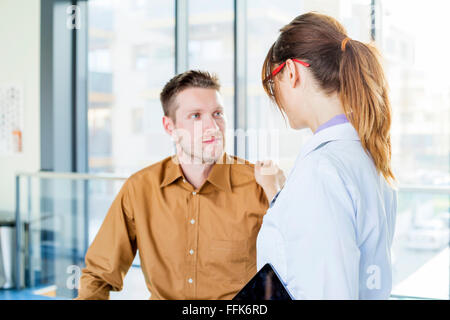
[(112, 252), (320, 236)]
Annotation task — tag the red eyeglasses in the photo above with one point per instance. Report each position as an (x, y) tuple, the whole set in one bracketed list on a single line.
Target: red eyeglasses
[(268, 82), (278, 69)]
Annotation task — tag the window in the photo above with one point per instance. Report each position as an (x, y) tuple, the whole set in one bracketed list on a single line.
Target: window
[(211, 48), (131, 56), (415, 56), (270, 137)]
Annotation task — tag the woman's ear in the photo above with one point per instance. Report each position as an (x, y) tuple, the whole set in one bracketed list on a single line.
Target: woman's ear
[(293, 73)]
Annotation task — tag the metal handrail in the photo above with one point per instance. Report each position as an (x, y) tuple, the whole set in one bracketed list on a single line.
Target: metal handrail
[(107, 176), (72, 175), (424, 189)]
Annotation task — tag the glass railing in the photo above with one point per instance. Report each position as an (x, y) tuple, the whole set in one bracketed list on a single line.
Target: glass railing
[(420, 251), (60, 214)]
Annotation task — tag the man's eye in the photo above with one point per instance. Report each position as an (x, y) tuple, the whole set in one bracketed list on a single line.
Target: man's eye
[(219, 113), (195, 116)]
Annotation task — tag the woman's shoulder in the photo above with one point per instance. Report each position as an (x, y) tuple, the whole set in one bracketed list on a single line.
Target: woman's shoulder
[(316, 168), (332, 165), (343, 156), (325, 158)]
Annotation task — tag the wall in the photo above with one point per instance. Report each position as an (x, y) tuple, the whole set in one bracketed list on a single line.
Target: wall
[(20, 63)]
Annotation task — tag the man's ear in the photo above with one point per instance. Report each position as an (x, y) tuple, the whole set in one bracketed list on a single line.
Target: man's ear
[(293, 73), (169, 125)]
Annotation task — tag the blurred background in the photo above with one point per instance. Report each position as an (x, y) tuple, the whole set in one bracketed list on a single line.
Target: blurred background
[(80, 112)]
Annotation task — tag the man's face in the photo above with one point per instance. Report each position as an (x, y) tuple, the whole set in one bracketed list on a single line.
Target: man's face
[(199, 126)]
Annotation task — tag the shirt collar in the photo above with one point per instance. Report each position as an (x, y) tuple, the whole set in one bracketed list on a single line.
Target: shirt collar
[(171, 172), (340, 118), (219, 175), (343, 131)]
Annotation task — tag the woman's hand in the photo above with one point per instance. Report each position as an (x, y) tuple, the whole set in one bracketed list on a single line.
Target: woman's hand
[(270, 177)]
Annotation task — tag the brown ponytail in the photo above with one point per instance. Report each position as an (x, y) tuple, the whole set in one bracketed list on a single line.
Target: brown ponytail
[(348, 67)]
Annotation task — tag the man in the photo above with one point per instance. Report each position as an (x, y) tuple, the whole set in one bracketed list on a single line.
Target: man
[(194, 216)]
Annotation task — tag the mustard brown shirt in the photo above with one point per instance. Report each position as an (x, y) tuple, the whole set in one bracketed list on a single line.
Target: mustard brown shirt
[(192, 243)]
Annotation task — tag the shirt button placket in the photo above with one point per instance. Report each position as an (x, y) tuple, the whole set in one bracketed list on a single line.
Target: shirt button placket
[(192, 245), (195, 247)]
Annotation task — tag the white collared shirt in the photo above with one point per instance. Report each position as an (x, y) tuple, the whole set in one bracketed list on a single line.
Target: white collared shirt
[(330, 229)]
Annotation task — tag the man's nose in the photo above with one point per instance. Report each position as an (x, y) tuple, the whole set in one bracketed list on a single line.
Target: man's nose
[(209, 123)]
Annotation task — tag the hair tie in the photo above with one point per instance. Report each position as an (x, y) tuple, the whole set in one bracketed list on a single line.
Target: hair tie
[(344, 42)]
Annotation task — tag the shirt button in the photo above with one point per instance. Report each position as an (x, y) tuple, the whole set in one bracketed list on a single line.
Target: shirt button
[(191, 252), (194, 193), (192, 221), (190, 280)]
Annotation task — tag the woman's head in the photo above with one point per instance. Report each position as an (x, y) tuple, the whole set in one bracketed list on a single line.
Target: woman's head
[(331, 64)]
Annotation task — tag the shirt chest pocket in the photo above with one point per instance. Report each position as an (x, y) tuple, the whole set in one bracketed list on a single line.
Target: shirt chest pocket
[(228, 259)]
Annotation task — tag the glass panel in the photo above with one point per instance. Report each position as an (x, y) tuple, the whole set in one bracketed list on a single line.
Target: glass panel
[(60, 219), (53, 241), (420, 252), (415, 56), (211, 48), (131, 56), (274, 138), (420, 91)]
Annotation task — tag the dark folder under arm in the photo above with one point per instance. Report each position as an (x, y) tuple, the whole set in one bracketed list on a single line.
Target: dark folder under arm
[(265, 285)]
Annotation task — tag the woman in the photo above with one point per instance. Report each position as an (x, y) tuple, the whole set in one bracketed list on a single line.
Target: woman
[(329, 231)]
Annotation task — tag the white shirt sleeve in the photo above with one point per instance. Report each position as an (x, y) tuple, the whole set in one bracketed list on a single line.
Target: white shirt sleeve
[(319, 231)]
